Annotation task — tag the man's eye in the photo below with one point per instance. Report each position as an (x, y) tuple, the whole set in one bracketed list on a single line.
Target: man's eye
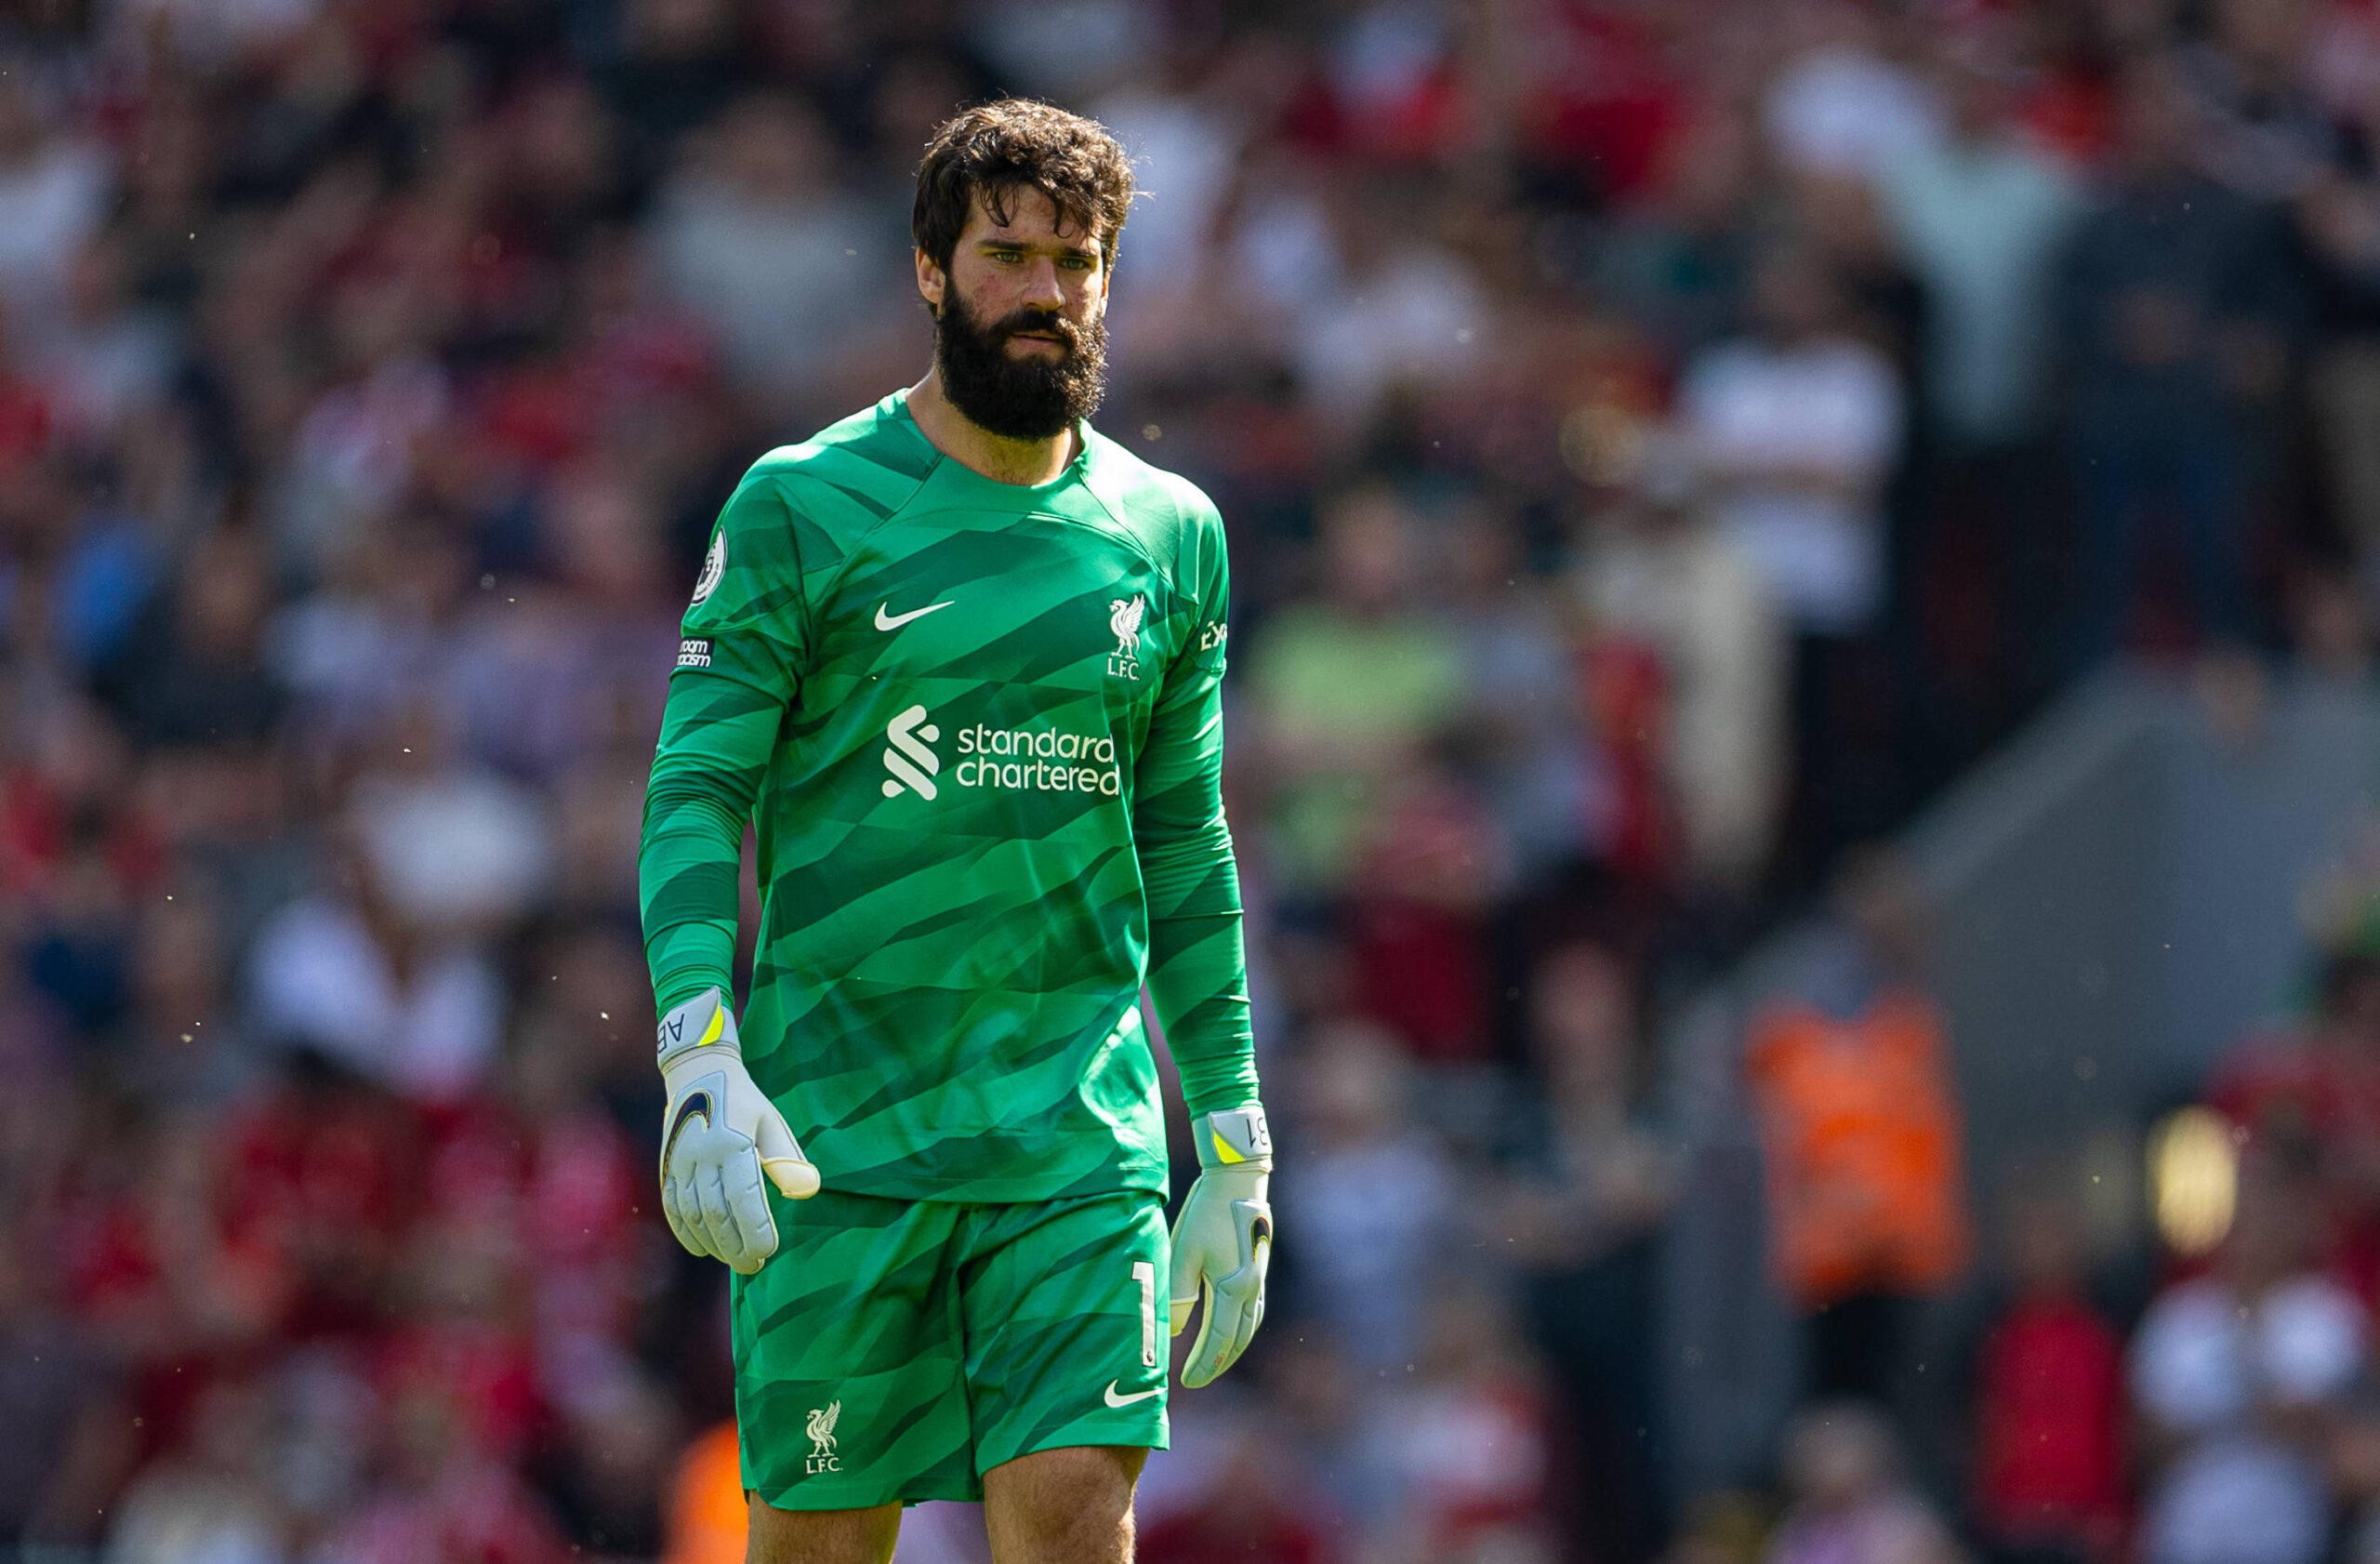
[(1004, 256), (1076, 263)]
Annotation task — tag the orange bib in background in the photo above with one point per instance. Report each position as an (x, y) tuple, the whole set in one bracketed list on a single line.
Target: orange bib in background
[(707, 1516), (1860, 1134)]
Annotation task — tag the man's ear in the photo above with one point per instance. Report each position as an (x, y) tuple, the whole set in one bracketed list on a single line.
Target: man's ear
[(932, 281)]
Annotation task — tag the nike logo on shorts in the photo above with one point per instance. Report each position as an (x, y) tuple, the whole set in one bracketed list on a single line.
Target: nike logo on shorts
[(1116, 1400), (894, 621)]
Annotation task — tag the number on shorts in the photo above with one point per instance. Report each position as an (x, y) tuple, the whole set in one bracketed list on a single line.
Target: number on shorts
[(1145, 1273)]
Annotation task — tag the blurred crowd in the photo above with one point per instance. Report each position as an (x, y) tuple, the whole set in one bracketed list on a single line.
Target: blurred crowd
[(1663, 444)]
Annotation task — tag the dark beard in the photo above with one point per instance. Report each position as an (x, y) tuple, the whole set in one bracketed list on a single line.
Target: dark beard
[(1019, 398)]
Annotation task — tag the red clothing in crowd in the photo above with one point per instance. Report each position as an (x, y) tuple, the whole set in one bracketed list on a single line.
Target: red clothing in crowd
[(321, 1185), (2286, 1083), (1414, 932), (1605, 102), (2049, 1425), (2296, 1087), (1217, 1536)]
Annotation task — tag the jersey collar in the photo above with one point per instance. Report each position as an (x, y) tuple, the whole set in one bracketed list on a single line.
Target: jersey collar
[(1022, 495)]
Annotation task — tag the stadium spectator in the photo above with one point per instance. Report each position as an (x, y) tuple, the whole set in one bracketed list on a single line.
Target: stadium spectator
[(752, 234), (1850, 101), (2239, 1375), (676, 62), (109, 358), (209, 1500), (1582, 1226), (64, 1440), (1981, 216), (707, 1507), (1372, 1192), (2262, 128), (437, 1495), (1404, 311), (349, 971), (1851, 1501), (1676, 260), (2311, 1091), (1467, 1442), (1654, 573), (184, 1044), (1349, 689), (1249, 1511), (55, 190), (1793, 431), (2047, 1475), (192, 674), (1331, 1415), (1524, 729), (1859, 1123), (2172, 310)]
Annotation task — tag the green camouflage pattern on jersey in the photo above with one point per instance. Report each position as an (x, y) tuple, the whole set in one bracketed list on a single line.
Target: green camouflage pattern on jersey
[(977, 728)]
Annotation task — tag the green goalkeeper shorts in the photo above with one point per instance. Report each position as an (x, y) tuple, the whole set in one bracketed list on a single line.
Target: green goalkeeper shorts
[(899, 1349)]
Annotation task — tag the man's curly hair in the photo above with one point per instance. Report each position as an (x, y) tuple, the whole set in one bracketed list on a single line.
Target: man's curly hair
[(996, 149)]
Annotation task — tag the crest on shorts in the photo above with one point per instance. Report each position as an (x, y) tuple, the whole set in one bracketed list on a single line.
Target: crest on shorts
[(714, 566), (821, 1437)]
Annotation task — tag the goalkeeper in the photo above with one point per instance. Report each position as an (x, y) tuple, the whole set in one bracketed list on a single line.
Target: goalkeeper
[(957, 660)]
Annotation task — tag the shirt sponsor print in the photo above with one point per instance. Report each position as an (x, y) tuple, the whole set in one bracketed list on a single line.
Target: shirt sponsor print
[(1035, 760)]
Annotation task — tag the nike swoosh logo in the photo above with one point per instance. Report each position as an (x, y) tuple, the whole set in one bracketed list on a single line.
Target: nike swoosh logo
[(1116, 1400), (894, 621), (696, 1106)]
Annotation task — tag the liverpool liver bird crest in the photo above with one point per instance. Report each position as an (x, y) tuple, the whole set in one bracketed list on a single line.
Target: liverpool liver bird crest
[(1124, 617), (822, 1428)]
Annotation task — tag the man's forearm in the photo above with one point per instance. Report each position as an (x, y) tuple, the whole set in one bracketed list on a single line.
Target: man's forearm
[(1198, 982), (1198, 962), (687, 869), (705, 776), (1198, 971)]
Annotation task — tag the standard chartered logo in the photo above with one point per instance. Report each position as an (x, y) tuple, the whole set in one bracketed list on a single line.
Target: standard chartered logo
[(910, 760), (1029, 760), (1038, 760)]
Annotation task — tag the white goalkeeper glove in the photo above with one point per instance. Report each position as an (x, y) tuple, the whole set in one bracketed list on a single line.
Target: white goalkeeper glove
[(720, 1137), (1222, 1242)]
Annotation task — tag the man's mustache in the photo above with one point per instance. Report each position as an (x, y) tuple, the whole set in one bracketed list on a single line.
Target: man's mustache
[(1069, 336)]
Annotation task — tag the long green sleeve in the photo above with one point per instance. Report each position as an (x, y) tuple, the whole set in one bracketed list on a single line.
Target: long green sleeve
[(718, 730), (1198, 969)]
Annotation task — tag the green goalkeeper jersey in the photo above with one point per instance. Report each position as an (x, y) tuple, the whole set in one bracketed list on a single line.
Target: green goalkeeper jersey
[(977, 728)]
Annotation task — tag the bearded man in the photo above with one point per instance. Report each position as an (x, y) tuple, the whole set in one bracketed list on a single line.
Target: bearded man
[(958, 661)]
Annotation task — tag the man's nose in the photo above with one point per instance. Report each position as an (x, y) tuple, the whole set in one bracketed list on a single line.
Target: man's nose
[(1041, 288)]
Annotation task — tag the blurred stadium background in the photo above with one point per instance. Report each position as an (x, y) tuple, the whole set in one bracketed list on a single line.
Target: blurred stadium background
[(1803, 747)]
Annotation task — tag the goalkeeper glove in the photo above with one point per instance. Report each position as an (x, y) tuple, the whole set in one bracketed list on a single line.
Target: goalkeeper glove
[(1223, 1244), (720, 1134)]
